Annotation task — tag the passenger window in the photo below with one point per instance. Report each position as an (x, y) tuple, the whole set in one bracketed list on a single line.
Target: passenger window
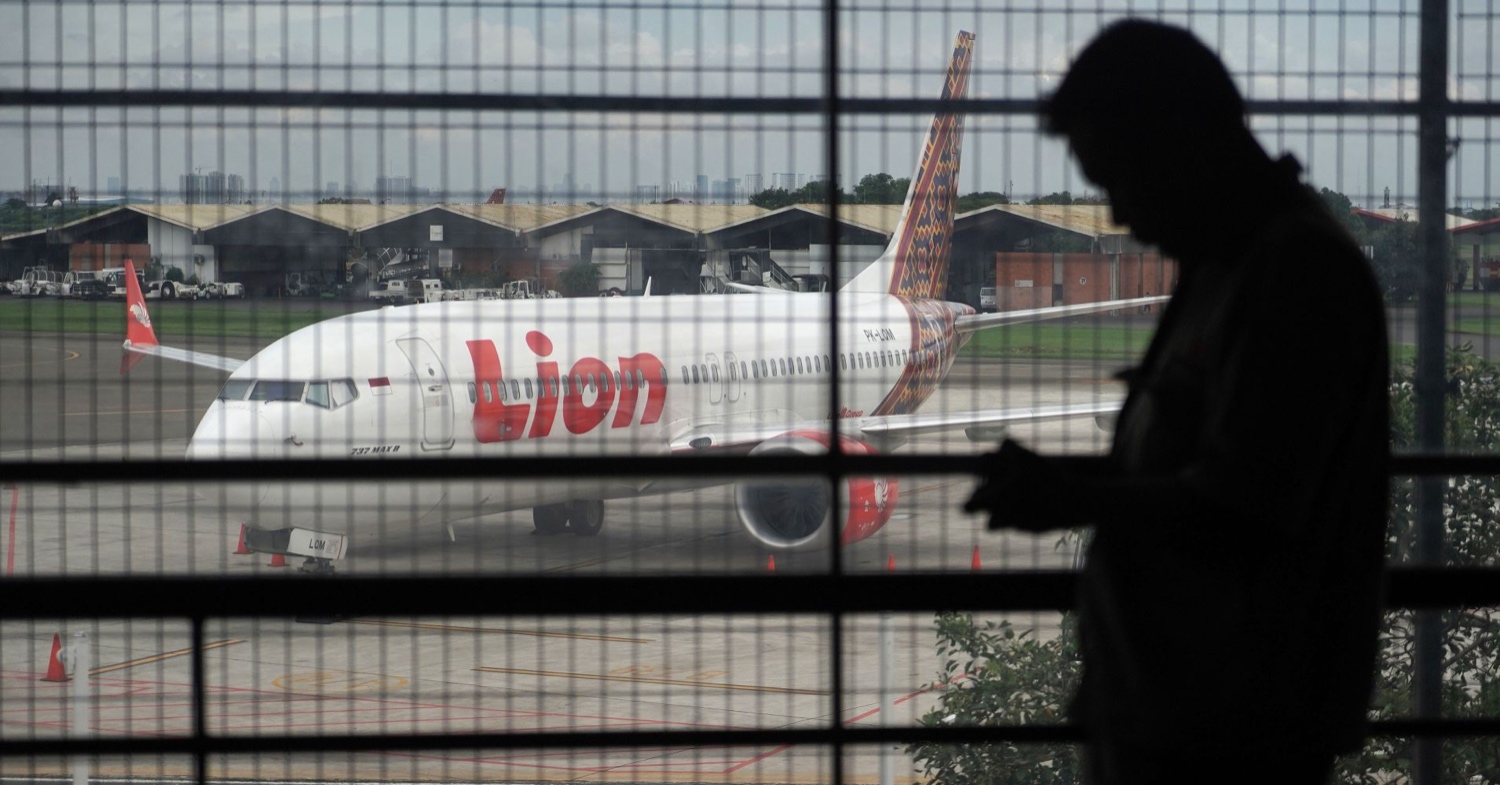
[(640, 380), (754, 369), (714, 369), (817, 364), (695, 374), (515, 389), (743, 374), (590, 379), (317, 395), (236, 389), (528, 387), (843, 361), (629, 381), (684, 375), (763, 372), (500, 391), (552, 384), (733, 373), (798, 361)]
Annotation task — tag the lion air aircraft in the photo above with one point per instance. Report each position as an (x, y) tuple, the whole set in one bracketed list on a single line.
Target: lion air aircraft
[(609, 376)]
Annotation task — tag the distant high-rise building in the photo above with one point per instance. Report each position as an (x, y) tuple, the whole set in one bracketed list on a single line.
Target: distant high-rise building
[(211, 188), (786, 181), (752, 183), (647, 194), (700, 192), (331, 190), (393, 190)]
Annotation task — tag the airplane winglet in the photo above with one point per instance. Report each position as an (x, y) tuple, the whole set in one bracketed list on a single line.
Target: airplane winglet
[(140, 336), (138, 330)]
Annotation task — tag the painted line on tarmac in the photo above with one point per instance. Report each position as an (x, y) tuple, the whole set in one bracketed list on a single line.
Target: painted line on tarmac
[(70, 356), (130, 411), (648, 680), (160, 657), (577, 636)]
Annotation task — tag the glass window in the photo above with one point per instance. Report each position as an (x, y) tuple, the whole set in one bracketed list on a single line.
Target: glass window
[(515, 389), (733, 373), (343, 392), (827, 364), (843, 361), (798, 361), (317, 395), (754, 369), (817, 363), (629, 380), (528, 387), (763, 371), (590, 380), (236, 389), (277, 391), (473, 397), (714, 370), (743, 374), (695, 374), (684, 375), (500, 390)]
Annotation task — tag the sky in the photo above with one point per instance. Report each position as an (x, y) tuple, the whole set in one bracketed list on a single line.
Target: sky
[(1310, 49)]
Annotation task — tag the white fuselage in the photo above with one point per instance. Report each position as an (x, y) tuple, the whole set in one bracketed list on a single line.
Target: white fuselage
[(523, 378)]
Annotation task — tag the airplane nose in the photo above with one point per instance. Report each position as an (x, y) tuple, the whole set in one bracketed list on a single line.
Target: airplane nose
[(234, 430)]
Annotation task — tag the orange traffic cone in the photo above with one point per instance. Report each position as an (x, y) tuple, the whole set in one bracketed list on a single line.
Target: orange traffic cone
[(771, 563), (277, 560), (974, 561), (890, 563), (241, 550), (55, 669)]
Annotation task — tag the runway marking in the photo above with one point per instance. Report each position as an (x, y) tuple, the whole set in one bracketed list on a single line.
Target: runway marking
[(130, 411), (577, 636), (69, 356), (647, 680), (160, 657), (324, 683)]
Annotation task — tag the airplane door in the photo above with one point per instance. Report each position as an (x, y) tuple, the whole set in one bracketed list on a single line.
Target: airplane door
[(715, 380), (433, 394), (734, 381)]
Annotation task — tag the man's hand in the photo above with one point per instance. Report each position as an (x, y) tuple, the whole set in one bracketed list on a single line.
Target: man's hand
[(1023, 490)]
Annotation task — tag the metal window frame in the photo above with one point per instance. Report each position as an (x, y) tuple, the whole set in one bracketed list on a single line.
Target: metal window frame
[(838, 595)]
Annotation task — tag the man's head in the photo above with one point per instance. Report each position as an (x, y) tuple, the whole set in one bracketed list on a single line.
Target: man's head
[(1155, 120)]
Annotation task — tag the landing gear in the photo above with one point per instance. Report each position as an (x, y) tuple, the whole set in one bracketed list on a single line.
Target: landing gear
[(550, 519), (316, 566), (585, 517)]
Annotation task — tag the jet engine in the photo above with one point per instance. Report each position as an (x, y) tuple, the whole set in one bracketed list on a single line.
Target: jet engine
[(798, 513)]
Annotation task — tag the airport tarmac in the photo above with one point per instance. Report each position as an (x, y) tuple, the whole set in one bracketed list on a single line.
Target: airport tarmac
[(429, 675)]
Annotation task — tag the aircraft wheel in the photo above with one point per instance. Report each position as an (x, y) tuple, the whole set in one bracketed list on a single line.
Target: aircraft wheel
[(586, 517), (550, 518)]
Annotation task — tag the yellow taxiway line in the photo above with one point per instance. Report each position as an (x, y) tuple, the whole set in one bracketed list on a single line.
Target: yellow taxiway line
[(119, 666), (648, 680)]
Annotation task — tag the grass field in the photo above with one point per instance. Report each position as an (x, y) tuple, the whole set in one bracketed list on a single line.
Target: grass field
[(260, 319), (1061, 341)]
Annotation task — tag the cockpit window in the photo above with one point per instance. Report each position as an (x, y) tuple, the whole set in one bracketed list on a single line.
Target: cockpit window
[(277, 391), (236, 389), (317, 394)]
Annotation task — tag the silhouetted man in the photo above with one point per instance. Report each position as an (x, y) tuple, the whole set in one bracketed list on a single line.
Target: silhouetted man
[(1231, 592)]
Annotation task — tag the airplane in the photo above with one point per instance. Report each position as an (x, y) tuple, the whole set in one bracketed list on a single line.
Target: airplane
[(626, 376)]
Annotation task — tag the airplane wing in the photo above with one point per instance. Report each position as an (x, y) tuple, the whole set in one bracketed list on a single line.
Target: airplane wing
[(140, 336), (982, 321), (983, 425)]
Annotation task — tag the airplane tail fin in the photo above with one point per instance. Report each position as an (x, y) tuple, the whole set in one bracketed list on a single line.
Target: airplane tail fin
[(915, 264), (138, 331)]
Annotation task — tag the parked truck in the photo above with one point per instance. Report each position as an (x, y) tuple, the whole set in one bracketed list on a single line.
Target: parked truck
[(401, 292)]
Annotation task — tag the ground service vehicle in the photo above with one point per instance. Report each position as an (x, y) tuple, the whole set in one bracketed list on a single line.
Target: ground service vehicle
[(986, 299), (400, 292), (219, 290)]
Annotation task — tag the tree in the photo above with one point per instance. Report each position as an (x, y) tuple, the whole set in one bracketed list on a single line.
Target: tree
[(773, 199), (994, 675), (1398, 258), (1342, 208), (1471, 651), (979, 199), (880, 189), (991, 674), (580, 280)]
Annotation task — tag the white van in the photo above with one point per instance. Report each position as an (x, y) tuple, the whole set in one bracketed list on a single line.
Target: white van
[(986, 299)]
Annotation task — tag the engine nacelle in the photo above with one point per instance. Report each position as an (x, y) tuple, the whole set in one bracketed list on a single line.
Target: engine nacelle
[(791, 514)]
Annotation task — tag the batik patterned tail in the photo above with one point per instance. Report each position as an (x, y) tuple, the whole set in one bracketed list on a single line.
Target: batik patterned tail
[(915, 265)]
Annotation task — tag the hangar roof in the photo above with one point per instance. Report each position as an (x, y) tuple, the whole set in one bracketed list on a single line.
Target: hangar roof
[(518, 217), (197, 216), (1390, 214), (695, 218), (1491, 226), (1093, 220)]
